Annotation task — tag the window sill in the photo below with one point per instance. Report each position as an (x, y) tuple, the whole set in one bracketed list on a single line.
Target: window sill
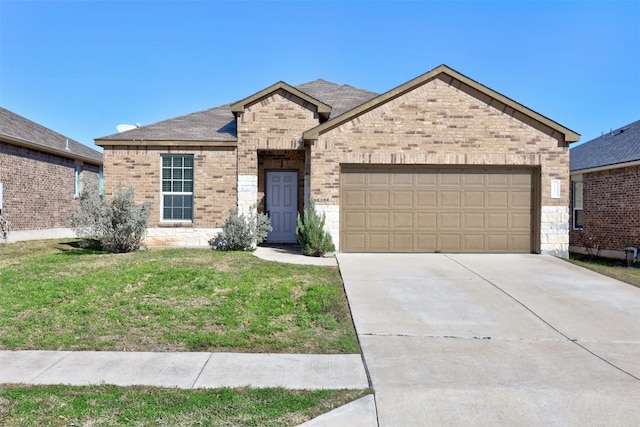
[(176, 224)]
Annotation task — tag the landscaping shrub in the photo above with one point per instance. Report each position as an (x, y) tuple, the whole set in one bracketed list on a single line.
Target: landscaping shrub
[(315, 240), (118, 223), (242, 233)]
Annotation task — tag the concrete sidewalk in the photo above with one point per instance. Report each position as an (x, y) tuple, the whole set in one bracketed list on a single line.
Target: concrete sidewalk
[(184, 370)]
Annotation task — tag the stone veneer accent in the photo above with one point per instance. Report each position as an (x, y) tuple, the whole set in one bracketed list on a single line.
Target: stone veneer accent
[(554, 231), (247, 193), (444, 122), (180, 237)]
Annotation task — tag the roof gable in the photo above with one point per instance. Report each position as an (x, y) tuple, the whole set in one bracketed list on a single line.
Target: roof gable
[(617, 147), (452, 77), (323, 109), (21, 131)]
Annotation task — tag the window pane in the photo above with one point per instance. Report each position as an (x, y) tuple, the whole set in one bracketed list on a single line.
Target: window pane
[(577, 194), (578, 218)]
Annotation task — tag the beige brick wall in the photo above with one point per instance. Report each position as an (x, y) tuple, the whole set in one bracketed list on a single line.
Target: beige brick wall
[(441, 123), (215, 180), (274, 123)]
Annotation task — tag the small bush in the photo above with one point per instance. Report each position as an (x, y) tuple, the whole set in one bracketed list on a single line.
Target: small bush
[(119, 224), (315, 240), (242, 233)]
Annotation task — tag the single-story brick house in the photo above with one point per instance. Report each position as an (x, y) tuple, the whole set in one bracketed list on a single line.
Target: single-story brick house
[(605, 200), (441, 163), (40, 177)]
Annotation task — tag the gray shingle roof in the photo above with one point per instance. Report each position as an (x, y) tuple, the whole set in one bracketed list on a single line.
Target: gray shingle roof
[(19, 130), (341, 98), (218, 124), (619, 146), (214, 124)]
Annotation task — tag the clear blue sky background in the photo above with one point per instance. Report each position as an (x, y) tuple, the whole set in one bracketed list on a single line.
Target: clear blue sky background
[(82, 67)]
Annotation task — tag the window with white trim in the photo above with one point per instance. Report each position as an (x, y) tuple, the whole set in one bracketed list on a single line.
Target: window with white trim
[(578, 213), (177, 187), (78, 180)]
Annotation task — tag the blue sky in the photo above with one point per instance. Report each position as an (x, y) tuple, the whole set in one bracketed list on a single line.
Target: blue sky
[(82, 67)]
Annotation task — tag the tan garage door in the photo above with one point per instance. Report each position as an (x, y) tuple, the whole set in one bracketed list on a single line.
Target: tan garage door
[(436, 210)]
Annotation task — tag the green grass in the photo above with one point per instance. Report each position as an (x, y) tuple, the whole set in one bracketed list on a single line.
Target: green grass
[(146, 406), (56, 296), (614, 268)]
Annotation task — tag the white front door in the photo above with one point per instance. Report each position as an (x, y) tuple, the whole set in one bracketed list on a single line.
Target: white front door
[(282, 205)]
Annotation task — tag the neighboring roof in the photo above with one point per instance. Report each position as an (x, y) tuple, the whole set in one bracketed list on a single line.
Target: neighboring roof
[(527, 113), (615, 148), (219, 125), (323, 109), (18, 130)]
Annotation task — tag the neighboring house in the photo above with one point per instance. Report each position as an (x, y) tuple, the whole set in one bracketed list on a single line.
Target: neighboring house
[(438, 164), (605, 176), (40, 177)]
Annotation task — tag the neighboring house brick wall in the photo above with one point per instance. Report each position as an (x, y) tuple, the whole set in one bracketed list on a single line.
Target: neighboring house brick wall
[(214, 192), (441, 124), (611, 206), (39, 188)]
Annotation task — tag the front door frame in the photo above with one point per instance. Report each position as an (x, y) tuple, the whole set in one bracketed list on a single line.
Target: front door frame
[(287, 235)]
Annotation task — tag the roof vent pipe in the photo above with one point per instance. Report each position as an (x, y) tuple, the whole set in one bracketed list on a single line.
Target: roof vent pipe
[(66, 144)]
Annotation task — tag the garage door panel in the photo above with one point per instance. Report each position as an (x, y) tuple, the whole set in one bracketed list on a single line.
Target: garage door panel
[(426, 220), (379, 220), (497, 199), (450, 178), (402, 220), (520, 199), (379, 242), (402, 242), (402, 199), (449, 242), (354, 199), (449, 199), (450, 220), (519, 221), (356, 242), (396, 209), (426, 198), (473, 199), (473, 243), (379, 199), (355, 221), (473, 220), (497, 221), (425, 243)]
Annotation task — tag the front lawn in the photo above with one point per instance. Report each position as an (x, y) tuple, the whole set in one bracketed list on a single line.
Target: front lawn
[(56, 296), (614, 268), (147, 406)]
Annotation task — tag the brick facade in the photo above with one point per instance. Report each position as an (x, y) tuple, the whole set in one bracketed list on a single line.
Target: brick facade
[(215, 180), (440, 120), (440, 123), (38, 188), (611, 203)]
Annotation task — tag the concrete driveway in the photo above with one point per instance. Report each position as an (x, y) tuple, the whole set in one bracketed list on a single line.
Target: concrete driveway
[(495, 340)]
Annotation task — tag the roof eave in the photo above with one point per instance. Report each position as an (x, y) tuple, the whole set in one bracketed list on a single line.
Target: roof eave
[(606, 167), (237, 108), (62, 153), (165, 143), (314, 133)]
